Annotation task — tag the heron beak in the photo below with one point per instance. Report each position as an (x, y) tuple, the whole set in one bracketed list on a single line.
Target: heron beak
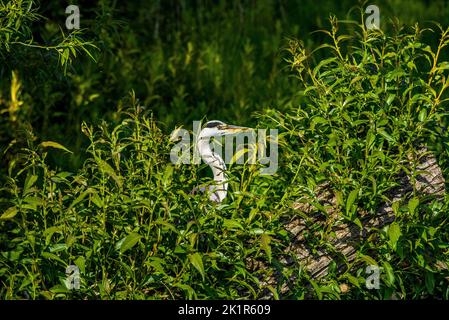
[(230, 129)]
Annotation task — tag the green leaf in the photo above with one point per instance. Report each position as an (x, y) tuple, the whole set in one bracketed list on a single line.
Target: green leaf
[(351, 199), (106, 168), (430, 282), (197, 262), (52, 256), (60, 288), (317, 120), (9, 213), (256, 231), (156, 263), (166, 225), (394, 232), (422, 116), (127, 242), (58, 247), (368, 260), (317, 289), (47, 295), (265, 240), (50, 231), (81, 197), (32, 203), (232, 224), (29, 182), (390, 99), (389, 272), (395, 206), (96, 200), (386, 135), (353, 280), (358, 223), (55, 145), (168, 174), (370, 139), (412, 204), (187, 288), (239, 154), (411, 65)]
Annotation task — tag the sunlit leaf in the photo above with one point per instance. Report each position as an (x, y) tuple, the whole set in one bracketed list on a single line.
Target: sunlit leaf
[(394, 232), (55, 145), (9, 213), (127, 242), (265, 240), (197, 261)]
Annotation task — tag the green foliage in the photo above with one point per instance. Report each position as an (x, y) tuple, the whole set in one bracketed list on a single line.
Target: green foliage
[(126, 219), (366, 111), (85, 176)]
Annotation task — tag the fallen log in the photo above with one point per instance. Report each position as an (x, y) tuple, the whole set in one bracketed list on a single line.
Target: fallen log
[(343, 240)]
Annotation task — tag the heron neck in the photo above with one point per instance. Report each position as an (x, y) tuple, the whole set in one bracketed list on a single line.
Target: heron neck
[(216, 163)]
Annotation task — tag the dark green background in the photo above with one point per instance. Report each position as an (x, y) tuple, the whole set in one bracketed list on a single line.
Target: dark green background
[(185, 60)]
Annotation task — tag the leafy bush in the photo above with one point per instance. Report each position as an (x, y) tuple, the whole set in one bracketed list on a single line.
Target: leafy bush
[(127, 220), (354, 115), (366, 112)]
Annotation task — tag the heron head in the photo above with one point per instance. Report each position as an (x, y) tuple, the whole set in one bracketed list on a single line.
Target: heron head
[(216, 128)]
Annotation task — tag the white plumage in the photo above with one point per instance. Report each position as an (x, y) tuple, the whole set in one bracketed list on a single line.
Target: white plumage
[(218, 191)]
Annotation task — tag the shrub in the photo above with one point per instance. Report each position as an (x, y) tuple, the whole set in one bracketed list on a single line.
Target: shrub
[(364, 113), (127, 220)]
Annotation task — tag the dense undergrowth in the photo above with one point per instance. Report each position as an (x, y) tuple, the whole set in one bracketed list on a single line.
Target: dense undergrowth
[(366, 113), (99, 190)]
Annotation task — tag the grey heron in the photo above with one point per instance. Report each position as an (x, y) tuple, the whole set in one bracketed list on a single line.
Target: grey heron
[(215, 128)]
